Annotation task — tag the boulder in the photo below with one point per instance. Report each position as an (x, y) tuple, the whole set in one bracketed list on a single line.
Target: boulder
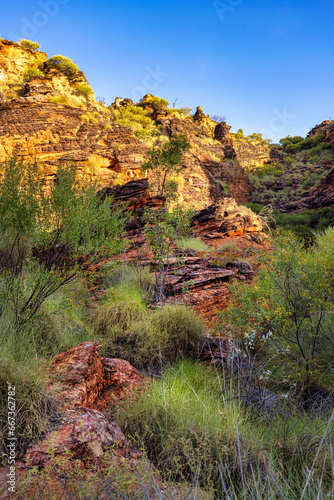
[(80, 377), (86, 434)]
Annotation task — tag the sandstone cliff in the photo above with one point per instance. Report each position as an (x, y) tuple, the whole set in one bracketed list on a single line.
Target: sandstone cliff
[(51, 116)]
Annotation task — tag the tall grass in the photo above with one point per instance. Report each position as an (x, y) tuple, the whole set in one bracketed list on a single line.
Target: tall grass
[(192, 244), (194, 428)]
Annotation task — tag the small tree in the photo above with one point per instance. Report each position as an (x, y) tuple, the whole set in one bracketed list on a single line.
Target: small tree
[(288, 310), (63, 64), (166, 161), (47, 238), (162, 228)]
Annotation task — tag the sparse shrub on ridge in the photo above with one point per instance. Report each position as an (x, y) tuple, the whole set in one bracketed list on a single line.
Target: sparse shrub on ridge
[(64, 65), (61, 99), (28, 44)]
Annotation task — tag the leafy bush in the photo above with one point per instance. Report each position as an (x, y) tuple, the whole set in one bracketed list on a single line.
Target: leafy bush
[(64, 65), (159, 101), (28, 44), (30, 72), (239, 134), (83, 89), (290, 308), (44, 237), (165, 161), (293, 145)]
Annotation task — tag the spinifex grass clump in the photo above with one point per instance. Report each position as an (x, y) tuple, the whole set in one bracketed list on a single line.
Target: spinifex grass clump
[(195, 244), (36, 411), (146, 337), (194, 427)]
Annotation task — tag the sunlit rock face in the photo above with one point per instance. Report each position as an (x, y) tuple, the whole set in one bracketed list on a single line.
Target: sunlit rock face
[(45, 118)]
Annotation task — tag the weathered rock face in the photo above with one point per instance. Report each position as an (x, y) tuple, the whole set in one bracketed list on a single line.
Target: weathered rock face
[(253, 153), (330, 135), (320, 129), (209, 172), (49, 122), (84, 384), (155, 110), (14, 61), (81, 378), (87, 434), (50, 133), (225, 219), (323, 195)]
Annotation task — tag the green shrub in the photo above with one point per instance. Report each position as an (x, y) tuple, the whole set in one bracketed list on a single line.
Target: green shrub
[(29, 44), (64, 65), (83, 89), (290, 306), (30, 72), (165, 161), (158, 101), (46, 237)]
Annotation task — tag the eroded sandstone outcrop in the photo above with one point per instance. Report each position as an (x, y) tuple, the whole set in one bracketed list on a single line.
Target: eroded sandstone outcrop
[(81, 378), (225, 219)]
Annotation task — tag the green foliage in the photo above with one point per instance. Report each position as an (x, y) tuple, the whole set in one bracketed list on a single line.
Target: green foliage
[(194, 427), (162, 228), (46, 238), (36, 409), (293, 145), (239, 134), (28, 44), (158, 101), (61, 99), (135, 117), (273, 169), (289, 308), (186, 428), (83, 89), (165, 161), (180, 112), (30, 72), (90, 117), (146, 337), (64, 65), (194, 244)]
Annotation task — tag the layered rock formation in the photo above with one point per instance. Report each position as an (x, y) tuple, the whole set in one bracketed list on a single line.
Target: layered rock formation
[(326, 128), (45, 118)]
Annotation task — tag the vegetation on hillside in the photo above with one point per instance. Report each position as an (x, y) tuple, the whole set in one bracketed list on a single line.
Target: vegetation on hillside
[(258, 423), (305, 163)]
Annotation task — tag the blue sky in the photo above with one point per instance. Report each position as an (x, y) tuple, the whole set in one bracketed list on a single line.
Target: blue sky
[(266, 65)]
